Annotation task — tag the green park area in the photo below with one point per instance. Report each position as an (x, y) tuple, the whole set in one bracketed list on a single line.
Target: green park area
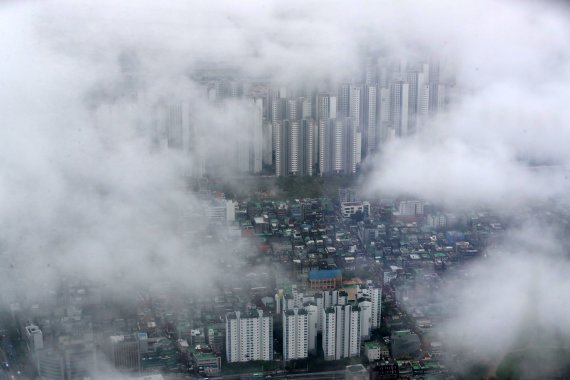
[(270, 187)]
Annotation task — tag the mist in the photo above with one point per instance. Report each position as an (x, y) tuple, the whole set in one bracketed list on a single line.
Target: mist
[(85, 193)]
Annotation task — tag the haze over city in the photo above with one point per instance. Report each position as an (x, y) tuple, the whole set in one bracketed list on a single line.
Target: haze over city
[(125, 123)]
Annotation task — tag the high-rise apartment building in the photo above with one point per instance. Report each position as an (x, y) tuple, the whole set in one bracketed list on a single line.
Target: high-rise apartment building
[(294, 147), (399, 104), (295, 334), (354, 105), (369, 119), (326, 109), (249, 336), (313, 313), (334, 297), (341, 332), (411, 208), (339, 146), (344, 99), (374, 294), (123, 352)]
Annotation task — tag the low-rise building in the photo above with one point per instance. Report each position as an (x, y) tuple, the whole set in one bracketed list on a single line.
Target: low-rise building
[(347, 209), (376, 350), (205, 361), (384, 370), (325, 279)]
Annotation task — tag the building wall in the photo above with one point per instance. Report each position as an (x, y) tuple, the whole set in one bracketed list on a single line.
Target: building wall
[(341, 332), (249, 337), (295, 334)]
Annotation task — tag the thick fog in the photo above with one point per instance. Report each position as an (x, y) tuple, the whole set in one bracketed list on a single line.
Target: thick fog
[(83, 190)]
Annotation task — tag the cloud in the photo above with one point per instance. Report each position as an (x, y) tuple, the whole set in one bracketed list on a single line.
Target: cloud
[(511, 301), (508, 112), (86, 194)]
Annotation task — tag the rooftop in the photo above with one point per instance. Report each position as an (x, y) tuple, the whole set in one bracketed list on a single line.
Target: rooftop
[(323, 274), (371, 345)]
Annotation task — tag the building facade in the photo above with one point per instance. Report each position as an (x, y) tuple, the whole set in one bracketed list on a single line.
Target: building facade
[(295, 334), (249, 336), (341, 332)]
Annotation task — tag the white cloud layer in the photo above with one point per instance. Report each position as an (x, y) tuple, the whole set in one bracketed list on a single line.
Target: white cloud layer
[(80, 197)]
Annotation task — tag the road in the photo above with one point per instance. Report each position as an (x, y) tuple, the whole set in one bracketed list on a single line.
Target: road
[(328, 375)]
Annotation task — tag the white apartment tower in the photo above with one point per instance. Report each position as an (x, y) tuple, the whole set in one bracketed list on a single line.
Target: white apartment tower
[(344, 99), (294, 109), (399, 104), (307, 147), (369, 125), (375, 296), (294, 153), (294, 147), (313, 324), (267, 145), (326, 109), (175, 121), (437, 97), (341, 332), (334, 297), (339, 146), (349, 102), (411, 208), (256, 144), (295, 334), (354, 110), (365, 306), (249, 336), (383, 115), (280, 148)]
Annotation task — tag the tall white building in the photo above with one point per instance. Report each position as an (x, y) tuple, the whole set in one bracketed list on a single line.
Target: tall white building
[(308, 131), (369, 120), (399, 104), (294, 153), (248, 145), (306, 108), (344, 99), (419, 93), (313, 324), (249, 336), (220, 211), (365, 306), (411, 208), (413, 85), (173, 122), (326, 109), (437, 97), (268, 146), (383, 116), (295, 334), (375, 296), (34, 338), (320, 302), (341, 332), (280, 148), (354, 110), (256, 145), (334, 297), (294, 109), (294, 147), (339, 146)]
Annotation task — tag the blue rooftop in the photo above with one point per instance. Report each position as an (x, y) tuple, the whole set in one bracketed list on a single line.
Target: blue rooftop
[(322, 274)]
